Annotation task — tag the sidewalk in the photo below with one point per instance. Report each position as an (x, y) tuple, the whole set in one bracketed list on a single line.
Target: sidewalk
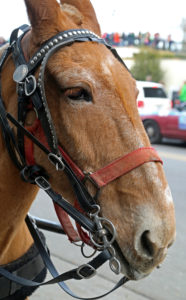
[(85, 288)]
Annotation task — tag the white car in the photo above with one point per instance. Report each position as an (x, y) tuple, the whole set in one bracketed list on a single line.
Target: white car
[(152, 97)]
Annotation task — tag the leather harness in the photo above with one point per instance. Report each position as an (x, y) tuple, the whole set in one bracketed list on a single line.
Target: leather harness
[(86, 213)]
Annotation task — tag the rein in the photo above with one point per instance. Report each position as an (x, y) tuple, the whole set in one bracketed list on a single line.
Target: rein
[(86, 213)]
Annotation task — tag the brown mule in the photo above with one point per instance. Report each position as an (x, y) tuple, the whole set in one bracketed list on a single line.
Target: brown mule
[(92, 100)]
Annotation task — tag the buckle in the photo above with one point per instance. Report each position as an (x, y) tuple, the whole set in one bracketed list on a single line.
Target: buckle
[(30, 85), (42, 183), (90, 269), (56, 161)]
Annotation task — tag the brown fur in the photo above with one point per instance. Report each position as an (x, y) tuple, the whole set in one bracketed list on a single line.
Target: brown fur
[(93, 134)]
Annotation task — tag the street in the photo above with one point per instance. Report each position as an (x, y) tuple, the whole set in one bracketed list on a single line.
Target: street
[(166, 283)]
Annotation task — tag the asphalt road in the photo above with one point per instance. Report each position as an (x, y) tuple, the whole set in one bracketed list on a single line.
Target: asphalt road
[(166, 283)]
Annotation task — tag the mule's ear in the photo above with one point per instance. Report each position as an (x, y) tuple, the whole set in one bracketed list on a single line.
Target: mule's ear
[(89, 19), (46, 18)]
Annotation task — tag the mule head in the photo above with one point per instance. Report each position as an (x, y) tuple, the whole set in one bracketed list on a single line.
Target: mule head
[(92, 99)]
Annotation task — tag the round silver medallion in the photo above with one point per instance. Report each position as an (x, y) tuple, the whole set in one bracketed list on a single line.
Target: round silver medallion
[(20, 73)]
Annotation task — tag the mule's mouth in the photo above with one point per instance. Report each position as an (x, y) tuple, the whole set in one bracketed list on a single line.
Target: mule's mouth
[(126, 268)]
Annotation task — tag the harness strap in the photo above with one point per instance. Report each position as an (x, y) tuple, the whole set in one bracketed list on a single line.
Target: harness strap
[(85, 199), (124, 165), (83, 272), (64, 219)]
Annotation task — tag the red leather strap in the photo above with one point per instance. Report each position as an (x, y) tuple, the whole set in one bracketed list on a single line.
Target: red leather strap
[(63, 217), (82, 233), (65, 221), (124, 165), (101, 177), (74, 167)]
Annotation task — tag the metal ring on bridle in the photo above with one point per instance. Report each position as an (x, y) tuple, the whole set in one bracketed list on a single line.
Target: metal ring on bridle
[(56, 161), (83, 253), (102, 233)]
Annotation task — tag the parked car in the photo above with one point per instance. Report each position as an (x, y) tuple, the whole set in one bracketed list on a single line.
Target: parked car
[(166, 123), (152, 97)]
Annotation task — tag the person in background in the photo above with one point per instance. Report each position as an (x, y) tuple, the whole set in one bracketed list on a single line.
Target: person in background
[(183, 93), (2, 41)]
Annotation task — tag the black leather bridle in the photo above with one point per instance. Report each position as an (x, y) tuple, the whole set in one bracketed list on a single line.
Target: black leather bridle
[(29, 88)]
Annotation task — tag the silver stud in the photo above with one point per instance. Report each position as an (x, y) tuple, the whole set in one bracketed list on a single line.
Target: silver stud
[(87, 31), (74, 32), (65, 35), (35, 58), (79, 32), (42, 51), (47, 48), (70, 33), (83, 31), (60, 38), (32, 62), (51, 44), (39, 54), (55, 41)]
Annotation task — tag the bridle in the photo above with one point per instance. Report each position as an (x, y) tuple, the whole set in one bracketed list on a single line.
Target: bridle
[(86, 213)]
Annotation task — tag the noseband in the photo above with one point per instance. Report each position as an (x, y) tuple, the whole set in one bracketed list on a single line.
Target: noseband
[(86, 213)]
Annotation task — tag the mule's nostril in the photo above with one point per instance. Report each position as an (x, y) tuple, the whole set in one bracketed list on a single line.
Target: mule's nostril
[(147, 244)]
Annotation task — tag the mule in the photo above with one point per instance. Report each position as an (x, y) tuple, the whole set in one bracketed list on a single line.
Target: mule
[(92, 100)]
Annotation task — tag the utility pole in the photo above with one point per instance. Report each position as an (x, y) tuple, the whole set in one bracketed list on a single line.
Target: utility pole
[(183, 26)]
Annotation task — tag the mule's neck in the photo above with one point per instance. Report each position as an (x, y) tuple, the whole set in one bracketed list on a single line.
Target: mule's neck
[(16, 197)]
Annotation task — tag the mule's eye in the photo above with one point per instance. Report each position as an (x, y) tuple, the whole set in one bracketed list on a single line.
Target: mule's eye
[(78, 94)]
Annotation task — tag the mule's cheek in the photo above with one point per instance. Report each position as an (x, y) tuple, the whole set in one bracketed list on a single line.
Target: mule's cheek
[(168, 196)]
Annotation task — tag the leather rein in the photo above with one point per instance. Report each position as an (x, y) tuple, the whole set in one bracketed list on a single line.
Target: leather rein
[(86, 213)]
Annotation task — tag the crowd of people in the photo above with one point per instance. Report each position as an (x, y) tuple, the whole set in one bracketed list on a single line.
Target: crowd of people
[(141, 39), (2, 41), (146, 39)]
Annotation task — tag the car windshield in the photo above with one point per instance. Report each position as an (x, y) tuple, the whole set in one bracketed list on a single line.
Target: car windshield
[(154, 92)]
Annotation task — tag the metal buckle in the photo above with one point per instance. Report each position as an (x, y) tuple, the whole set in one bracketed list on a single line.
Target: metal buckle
[(86, 276), (42, 183), (56, 161), (29, 92)]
